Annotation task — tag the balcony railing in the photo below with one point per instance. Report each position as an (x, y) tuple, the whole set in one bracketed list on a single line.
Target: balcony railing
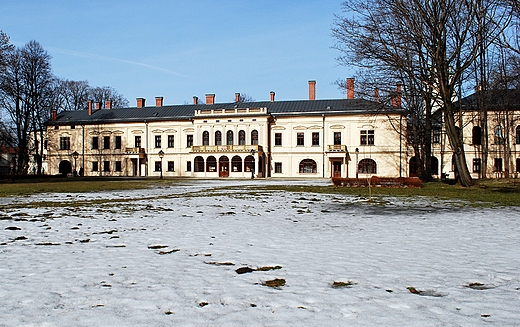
[(336, 148), (226, 148), (135, 150)]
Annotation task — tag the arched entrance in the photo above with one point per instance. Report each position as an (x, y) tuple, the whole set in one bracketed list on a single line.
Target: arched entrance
[(65, 167), (223, 164), (413, 167)]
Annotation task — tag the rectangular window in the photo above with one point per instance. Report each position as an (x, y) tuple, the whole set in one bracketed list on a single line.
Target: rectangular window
[(367, 137), (171, 140), (106, 142), (95, 143), (477, 164), (337, 138), (278, 139), (118, 166), (106, 165), (157, 141), (315, 139), (518, 165), (171, 166), (189, 141), (137, 141), (498, 165), (436, 137), (299, 139), (65, 143), (72, 126), (95, 166), (157, 166), (188, 166), (278, 167), (118, 142)]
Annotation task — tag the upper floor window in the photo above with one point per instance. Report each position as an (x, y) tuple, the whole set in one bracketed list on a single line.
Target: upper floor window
[(300, 139), (229, 137), (476, 135), (518, 134), (499, 135), (95, 143), (106, 142), (157, 141), (137, 141), (436, 136), (242, 137), (367, 137), (337, 138), (205, 138), (189, 140), (218, 138), (254, 137), (278, 139), (171, 141), (118, 142), (315, 139), (64, 143)]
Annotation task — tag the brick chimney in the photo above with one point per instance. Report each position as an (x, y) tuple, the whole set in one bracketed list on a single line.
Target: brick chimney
[(141, 102), (54, 113), (237, 97), (312, 90), (210, 98), (396, 100), (108, 104), (272, 96), (89, 108), (98, 105), (195, 100), (350, 88), (159, 101), (376, 94)]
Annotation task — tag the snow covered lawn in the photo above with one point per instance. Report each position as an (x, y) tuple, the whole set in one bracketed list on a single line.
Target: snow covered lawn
[(169, 257)]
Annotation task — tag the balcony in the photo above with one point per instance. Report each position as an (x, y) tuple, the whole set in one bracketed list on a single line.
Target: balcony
[(336, 148), (226, 148), (135, 152)]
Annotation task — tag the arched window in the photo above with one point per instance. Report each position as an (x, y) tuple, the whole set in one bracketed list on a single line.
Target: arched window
[(211, 164), (367, 166), (205, 138), (218, 138), (518, 134), (229, 138), (249, 163), (242, 138), (308, 166), (499, 135), (476, 135), (254, 137), (236, 164), (198, 164)]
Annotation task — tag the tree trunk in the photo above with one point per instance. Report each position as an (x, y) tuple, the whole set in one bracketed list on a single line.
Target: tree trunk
[(461, 167)]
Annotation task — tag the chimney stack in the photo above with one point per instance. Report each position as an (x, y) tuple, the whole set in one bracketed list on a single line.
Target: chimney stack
[(141, 102), (98, 105), (376, 94), (396, 101), (312, 90), (108, 104), (53, 114), (272, 96), (195, 100), (350, 88), (89, 109), (210, 98), (237, 97), (159, 101)]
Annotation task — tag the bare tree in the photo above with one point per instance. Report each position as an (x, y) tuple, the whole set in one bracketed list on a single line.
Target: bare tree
[(437, 40), (108, 93)]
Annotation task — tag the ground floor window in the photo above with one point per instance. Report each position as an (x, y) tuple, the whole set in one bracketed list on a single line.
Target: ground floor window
[(236, 164), (198, 164), (211, 164), (518, 165), (307, 166), (188, 166), (498, 165), (367, 166), (95, 166), (118, 166), (477, 165), (157, 166), (278, 167), (171, 166), (106, 165)]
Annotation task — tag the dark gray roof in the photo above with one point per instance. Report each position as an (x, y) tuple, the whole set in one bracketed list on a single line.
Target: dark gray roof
[(494, 100), (186, 112)]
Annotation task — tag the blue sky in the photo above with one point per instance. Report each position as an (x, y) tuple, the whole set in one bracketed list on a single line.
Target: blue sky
[(184, 48)]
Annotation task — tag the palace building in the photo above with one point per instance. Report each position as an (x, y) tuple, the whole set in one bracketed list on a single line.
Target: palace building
[(311, 138)]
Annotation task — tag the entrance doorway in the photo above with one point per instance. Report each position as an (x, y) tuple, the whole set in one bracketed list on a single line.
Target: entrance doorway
[(336, 169), (65, 167), (223, 163)]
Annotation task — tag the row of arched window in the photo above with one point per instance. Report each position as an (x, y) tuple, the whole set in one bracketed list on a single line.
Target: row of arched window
[(230, 138), (498, 135), (210, 165)]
